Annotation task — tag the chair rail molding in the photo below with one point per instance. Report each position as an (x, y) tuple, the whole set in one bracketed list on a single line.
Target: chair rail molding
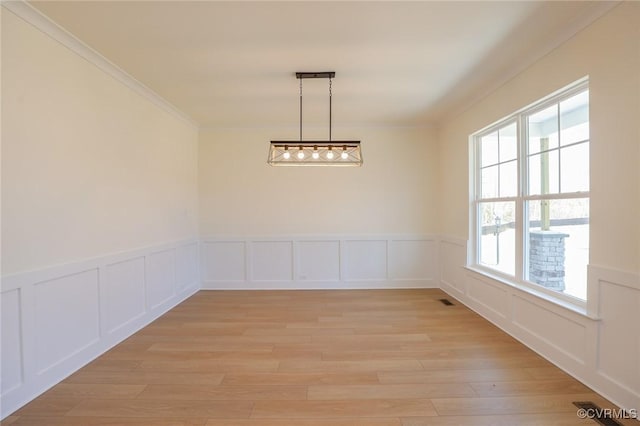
[(57, 319)]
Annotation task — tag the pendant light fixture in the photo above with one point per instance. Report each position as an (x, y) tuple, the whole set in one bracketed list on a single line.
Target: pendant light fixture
[(315, 153)]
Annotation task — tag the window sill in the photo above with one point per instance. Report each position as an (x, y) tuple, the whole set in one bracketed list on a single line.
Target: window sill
[(580, 309)]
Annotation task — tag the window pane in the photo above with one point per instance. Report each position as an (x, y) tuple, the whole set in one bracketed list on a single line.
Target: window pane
[(509, 179), (558, 245), (543, 173), (574, 119), (543, 130), (508, 143), (575, 168), (489, 149), (489, 184), (496, 234)]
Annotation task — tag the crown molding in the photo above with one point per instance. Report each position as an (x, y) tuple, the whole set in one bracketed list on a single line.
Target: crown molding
[(598, 9), (31, 15)]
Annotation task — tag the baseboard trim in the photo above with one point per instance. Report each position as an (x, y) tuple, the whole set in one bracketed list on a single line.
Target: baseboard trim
[(584, 347), (318, 285)]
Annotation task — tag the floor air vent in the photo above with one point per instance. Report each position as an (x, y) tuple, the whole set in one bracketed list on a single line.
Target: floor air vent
[(588, 409), (446, 302)]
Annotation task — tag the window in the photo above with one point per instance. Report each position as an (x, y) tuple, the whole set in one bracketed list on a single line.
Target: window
[(530, 208)]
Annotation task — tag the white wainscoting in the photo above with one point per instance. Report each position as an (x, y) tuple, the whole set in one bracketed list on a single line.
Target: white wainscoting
[(603, 353), (56, 320), (319, 262)]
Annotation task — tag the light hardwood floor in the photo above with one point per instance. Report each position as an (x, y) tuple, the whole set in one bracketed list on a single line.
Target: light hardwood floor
[(348, 357)]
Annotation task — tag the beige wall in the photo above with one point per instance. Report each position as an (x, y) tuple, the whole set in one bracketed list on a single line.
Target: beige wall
[(393, 192), (608, 52), (88, 166)]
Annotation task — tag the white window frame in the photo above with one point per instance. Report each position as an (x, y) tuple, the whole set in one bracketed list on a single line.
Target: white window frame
[(521, 199)]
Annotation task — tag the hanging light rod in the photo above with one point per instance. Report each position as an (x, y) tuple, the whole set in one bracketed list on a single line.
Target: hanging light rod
[(325, 74), (315, 152)]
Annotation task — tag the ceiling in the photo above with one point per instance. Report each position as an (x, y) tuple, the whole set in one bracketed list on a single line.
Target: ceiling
[(233, 64)]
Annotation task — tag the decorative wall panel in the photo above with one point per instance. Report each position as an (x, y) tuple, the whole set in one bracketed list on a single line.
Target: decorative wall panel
[(55, 320)]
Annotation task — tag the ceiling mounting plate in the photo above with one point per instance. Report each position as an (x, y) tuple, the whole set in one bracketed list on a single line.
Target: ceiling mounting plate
[(324, 74)]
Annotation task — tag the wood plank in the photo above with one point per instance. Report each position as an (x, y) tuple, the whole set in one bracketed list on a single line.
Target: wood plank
[(454, 376), (370, 421), (145, 377), (48, 407), (350, 366), (404, 391), (213, 366), (360, 325), (104, 364), (369, 338), (509, 405), (195, 321), (301, 378), (161, 408), (482, 363), (107, 421), (93, 390), (542, 387), (213, 346), (205, 338), (408, 353), (352, 408), (192, 331), (299, 331), (356, 346), (256, 355), (223, 393)]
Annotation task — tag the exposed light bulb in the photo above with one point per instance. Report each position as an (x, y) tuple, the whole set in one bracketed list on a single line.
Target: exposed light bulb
[(315, 155), (300, 154), (344, 154), (286, 154), (330, 154)]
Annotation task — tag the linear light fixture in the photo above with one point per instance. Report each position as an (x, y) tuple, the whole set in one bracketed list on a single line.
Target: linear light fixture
[(315, 153)]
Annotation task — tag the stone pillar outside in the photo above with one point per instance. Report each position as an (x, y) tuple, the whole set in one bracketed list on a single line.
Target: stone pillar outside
[(546, 259)]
